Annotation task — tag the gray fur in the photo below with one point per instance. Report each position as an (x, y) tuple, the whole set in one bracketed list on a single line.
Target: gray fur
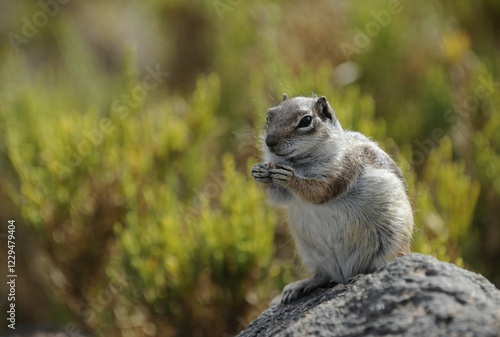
[(347, 204)]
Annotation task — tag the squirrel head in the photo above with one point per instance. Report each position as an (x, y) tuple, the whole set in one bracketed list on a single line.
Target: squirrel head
[(298, 125)]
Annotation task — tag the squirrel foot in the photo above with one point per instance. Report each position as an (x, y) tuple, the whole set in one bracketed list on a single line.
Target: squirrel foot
[(354, 279), (296, 290)]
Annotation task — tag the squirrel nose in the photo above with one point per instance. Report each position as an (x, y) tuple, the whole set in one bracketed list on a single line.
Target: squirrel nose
[(271, 140)]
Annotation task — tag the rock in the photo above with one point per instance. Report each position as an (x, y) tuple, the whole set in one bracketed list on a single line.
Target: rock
[(415, 295)]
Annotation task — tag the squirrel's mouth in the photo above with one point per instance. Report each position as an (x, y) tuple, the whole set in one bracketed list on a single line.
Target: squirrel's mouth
[(283, 155)]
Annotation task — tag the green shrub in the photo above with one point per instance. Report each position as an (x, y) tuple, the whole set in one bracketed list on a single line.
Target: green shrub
[(143, 199)]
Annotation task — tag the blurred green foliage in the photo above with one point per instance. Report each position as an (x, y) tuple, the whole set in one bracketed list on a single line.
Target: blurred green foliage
[(136, 186)]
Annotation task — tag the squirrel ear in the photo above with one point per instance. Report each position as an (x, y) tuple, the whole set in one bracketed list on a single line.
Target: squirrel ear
[(324, 108), (313, 95), (285, 97)]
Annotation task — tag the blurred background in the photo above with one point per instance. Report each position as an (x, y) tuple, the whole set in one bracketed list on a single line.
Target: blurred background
[(127, 130)]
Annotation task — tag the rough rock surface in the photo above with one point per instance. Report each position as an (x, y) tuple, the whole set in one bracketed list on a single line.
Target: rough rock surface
[(415, 295)]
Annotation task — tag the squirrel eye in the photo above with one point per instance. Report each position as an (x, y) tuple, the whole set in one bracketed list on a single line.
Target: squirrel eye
[(305, 122)]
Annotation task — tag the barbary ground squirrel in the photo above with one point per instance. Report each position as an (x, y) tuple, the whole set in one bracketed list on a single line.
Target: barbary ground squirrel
[(347, 201)]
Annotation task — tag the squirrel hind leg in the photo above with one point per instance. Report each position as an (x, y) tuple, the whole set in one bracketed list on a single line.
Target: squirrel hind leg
[(296, 290), (354, 279)]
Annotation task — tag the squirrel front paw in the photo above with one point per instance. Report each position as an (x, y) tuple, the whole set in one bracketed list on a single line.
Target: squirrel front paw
[(261, 173), (273, 173), (281, 174)]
